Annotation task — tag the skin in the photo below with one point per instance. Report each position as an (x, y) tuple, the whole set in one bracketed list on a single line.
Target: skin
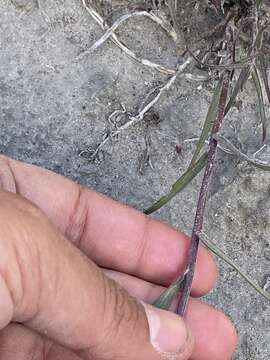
[(73, 260)]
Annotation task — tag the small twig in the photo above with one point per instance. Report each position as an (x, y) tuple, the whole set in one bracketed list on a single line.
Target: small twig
[(198, 223), (222, 24), (173, 8), (111, 31), (146, 158), (234, 65), (220, 147), (260, 164), (102, 23), (116, 114), (165, 26), (161, 90), (139, 117), (217, 4), (258, 151), (253, 12)]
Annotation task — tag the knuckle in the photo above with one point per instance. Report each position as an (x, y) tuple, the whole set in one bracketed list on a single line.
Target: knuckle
[(123, 311), (120, 319), (19, 254), (13, 206), (7, 178), (78, 217), (143, 250)]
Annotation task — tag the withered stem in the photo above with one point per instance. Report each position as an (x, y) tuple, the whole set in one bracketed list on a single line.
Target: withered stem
[(198, 222)]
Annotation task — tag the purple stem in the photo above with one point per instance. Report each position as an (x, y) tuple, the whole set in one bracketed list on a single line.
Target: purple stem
[(198, 222), (217, 4)]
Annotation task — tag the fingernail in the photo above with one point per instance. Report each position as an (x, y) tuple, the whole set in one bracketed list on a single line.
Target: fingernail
[(168, 332)]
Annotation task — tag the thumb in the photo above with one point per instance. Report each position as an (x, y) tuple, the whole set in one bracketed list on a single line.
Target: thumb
[(168, 334), (51, 287)]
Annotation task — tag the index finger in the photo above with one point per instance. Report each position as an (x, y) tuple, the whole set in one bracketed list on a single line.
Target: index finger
[(111, 234)]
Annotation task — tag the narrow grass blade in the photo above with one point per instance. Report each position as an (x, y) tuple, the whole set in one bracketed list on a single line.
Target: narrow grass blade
[(262, 67), (260, 166), (225, 258), (228, 145), (258, 3), (180, 184), (245, 72), (258, 86), (210, 117), (165, 300), (242, 79)]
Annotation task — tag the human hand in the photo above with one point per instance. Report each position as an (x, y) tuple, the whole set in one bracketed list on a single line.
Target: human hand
[(57, 301)]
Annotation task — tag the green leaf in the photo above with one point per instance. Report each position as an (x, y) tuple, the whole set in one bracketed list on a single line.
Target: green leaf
[(195, 166), (263, 70), (225, 258), (245, 72), (226, 143), (165, 300), (258, 86), (260, 166), (258, 3), (208, 124), (180, 184), (258, 40), (243, 76)]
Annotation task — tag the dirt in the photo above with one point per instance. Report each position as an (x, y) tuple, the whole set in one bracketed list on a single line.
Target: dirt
[(53, 107)]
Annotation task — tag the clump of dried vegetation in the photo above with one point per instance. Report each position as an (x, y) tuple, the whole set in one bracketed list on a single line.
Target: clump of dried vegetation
[(233, 46)]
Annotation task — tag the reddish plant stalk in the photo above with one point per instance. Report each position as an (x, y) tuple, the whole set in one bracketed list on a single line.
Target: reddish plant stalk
[(199, 217), (217, 5)]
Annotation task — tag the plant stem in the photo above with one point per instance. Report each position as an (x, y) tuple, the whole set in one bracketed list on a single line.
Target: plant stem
[(198, 223)]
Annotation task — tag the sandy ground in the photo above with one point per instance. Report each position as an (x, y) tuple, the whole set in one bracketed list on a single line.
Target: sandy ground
[(52, 107)]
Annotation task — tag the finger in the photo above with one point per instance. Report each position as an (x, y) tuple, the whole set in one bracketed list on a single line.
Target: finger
[(113, 235), (20, 343), (214, 334), (51, 287)]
